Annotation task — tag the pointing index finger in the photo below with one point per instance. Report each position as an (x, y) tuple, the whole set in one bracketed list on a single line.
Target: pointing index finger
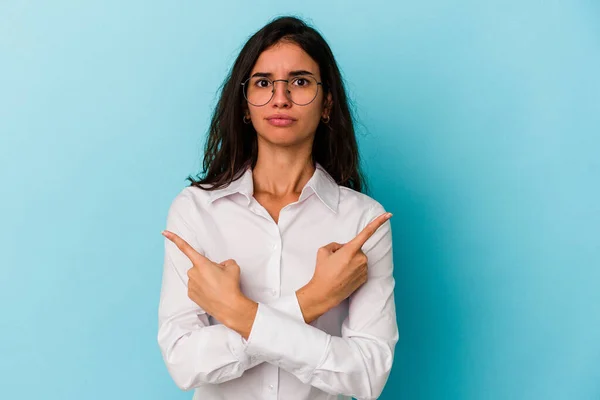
[(185, 247), (355, 244)]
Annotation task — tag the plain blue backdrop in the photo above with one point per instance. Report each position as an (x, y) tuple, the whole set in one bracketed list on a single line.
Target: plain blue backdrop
[(479, 125)]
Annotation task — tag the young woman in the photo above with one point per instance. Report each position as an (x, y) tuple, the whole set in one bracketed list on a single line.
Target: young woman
[(277, 280)]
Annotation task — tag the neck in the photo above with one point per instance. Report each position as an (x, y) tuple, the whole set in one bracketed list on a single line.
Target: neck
[(281, 177)]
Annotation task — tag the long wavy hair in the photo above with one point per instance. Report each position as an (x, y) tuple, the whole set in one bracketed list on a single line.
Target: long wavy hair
[(232, 144)]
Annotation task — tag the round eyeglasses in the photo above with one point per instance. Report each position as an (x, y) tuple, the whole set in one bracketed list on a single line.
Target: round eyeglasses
[(301, 90)]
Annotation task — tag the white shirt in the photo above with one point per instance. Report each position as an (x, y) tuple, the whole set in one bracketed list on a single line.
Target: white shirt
[(348, 351)]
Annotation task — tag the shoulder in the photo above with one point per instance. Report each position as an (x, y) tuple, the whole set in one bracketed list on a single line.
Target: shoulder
[(354, 201), (362, 209), (189, 200)]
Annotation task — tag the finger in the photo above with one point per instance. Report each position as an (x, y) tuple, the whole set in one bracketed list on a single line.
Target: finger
[(333, 247), (355, 244), (227, 262), (188, 250)]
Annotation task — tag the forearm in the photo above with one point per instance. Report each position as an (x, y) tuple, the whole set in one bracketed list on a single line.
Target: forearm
[(196, 353), (241, 317), (311, 298), (356, 364), (314, 301)]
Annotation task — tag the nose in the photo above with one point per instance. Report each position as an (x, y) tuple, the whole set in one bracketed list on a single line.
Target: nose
[(281, 96)]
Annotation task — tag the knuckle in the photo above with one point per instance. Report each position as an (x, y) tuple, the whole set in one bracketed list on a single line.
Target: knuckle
[(190, 273), (360, 257)]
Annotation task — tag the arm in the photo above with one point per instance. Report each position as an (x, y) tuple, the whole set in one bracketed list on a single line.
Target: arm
[(194, 351), (359, 362)]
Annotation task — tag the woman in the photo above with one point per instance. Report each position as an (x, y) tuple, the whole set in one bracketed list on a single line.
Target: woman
[(302, 307)]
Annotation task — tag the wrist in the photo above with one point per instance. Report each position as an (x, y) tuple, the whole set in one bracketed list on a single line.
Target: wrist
[(312, 303), (242, 316)]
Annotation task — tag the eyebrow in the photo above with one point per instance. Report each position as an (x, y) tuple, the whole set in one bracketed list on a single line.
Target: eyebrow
[(292, 73)]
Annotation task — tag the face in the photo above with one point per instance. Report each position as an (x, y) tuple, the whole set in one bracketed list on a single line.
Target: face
[(279, 61)]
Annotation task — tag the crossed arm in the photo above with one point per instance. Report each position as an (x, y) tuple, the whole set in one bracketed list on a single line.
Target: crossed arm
[(357, 363)]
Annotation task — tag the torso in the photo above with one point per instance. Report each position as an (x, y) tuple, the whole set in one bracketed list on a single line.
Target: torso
[(275, 245)]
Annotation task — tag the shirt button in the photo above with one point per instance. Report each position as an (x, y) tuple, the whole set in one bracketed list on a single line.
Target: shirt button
[(271, 387), (274, 246), (273, 292)]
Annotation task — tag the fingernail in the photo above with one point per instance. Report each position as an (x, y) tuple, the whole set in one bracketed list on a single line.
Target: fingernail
[(389, 215), (165, 234)]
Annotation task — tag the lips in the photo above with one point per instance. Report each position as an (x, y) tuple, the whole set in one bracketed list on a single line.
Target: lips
[(280, 116), (280, 120)]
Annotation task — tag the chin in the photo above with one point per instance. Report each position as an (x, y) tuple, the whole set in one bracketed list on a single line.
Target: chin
[(283, 140), (283, 136)]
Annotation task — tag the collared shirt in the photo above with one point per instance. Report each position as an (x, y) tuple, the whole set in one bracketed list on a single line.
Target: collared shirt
[(348, 351)]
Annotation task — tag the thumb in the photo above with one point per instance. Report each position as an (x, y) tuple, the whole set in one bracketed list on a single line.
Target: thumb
[(231, 266), (227, 263), (333, 247)]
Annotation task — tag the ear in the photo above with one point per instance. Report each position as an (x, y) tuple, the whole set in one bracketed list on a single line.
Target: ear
[(328, 104)]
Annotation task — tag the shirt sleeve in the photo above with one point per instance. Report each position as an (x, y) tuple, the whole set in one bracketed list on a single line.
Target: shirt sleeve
[(359, 362), (195, 352)]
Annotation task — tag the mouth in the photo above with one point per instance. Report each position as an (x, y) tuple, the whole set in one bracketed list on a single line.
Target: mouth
[(281, 121)]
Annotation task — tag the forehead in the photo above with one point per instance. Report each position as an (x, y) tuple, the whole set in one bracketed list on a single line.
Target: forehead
[(283, 57)]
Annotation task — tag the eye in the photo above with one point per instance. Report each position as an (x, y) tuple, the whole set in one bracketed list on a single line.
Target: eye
[(262, 83), (301, 82)]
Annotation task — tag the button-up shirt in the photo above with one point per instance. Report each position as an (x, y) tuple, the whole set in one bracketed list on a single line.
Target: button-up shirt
[(348, 351)]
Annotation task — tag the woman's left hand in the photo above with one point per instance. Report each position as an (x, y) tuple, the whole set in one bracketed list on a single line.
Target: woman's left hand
[(215, 287)]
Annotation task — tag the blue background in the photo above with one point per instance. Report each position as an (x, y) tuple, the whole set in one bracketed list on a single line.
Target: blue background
[(479, 124)]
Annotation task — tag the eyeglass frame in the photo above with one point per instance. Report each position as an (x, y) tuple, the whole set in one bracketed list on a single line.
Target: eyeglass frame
[(287, 81)]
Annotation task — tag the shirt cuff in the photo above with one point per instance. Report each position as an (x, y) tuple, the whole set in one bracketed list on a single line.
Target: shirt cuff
[(289, 305), (237, 346), (280, 336)]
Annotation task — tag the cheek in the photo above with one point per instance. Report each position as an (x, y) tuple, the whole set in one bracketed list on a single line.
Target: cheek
[(312, 118), (311, 114)]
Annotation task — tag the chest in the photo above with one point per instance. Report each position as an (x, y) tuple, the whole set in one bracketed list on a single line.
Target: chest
[(276, 244), (272, 205), (277, 256)]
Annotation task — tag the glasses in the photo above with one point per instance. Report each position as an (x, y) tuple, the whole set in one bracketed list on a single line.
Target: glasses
[(301, 90)]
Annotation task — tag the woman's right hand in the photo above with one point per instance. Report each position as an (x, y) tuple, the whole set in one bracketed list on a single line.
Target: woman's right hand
[(340, 270)]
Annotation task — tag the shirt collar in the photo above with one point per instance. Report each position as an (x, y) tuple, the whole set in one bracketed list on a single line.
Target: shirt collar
[(321, 183)]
